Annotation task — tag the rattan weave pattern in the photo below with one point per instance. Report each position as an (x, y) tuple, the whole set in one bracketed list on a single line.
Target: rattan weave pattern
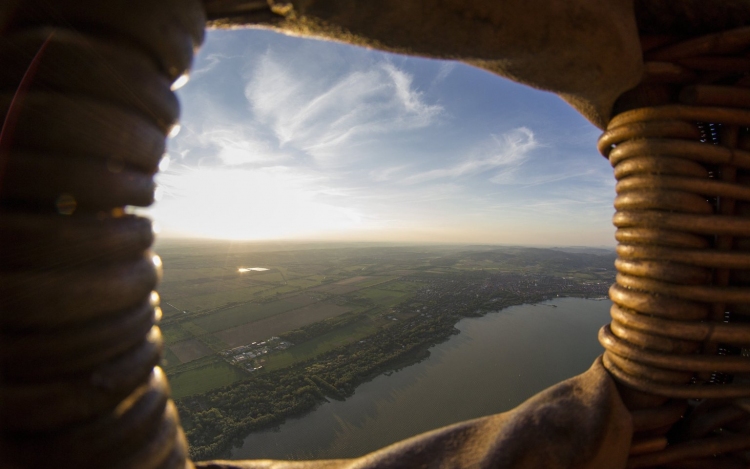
[(86, 100), (680, 326)]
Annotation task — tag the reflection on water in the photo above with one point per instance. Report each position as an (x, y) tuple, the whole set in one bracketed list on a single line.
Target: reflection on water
[(494, 364), (251, 269)]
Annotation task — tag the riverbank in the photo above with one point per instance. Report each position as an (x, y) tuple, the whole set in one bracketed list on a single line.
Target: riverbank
[(495, 363), (220, 419)]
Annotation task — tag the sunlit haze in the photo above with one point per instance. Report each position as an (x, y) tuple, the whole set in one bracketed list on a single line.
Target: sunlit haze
[(287, 138)]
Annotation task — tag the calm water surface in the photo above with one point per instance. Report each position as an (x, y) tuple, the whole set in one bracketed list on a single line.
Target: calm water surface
[(494, 364)]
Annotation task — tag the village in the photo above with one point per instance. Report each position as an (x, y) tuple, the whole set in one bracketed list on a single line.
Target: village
[(245, 355)]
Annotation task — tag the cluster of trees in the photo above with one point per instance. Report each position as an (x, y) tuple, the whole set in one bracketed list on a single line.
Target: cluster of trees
[(316, 329), (213, 421)]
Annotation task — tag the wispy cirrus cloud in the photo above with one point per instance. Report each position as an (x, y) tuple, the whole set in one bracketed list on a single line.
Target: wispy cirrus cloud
[(324, 117), (236, 145), (512, 177), (387, 173), (445, 69), (296, 112), (508, 150), (208, 63)]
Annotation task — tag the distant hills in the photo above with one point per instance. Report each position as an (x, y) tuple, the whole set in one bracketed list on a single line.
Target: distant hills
[(541, 259)]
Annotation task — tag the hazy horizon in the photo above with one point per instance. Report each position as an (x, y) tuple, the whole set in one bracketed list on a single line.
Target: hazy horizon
[(364, 243), (289, 138)]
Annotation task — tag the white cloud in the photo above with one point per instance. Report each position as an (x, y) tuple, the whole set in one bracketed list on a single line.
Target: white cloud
[(445, 69), (326, 116), (509, 150), (236, 145), (386, 174), (512, 177), (210, 62), (216, 136)]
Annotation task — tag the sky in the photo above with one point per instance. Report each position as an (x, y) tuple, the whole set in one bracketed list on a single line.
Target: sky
[(290, 138)]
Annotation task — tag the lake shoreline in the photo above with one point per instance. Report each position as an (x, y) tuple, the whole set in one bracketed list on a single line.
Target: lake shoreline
[(408, 359)]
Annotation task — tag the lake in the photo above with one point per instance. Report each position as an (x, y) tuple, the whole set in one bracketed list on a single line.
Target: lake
[(494, 364)]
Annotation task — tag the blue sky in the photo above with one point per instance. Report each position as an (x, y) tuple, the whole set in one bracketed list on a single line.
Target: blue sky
[(288, 138)]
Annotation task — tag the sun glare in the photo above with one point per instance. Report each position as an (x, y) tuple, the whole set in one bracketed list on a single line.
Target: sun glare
[(234, 203)]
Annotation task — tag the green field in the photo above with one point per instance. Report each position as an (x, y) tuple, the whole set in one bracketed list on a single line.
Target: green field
[(407, 287), (170, 359), (214, 343), (174, 332), (306, 282), (193, 302), (322, 344), (272, 276), (381, 297), (212, 375), (194, 329), (187, 276), (242, 314), (387, 294), (378, 280)]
